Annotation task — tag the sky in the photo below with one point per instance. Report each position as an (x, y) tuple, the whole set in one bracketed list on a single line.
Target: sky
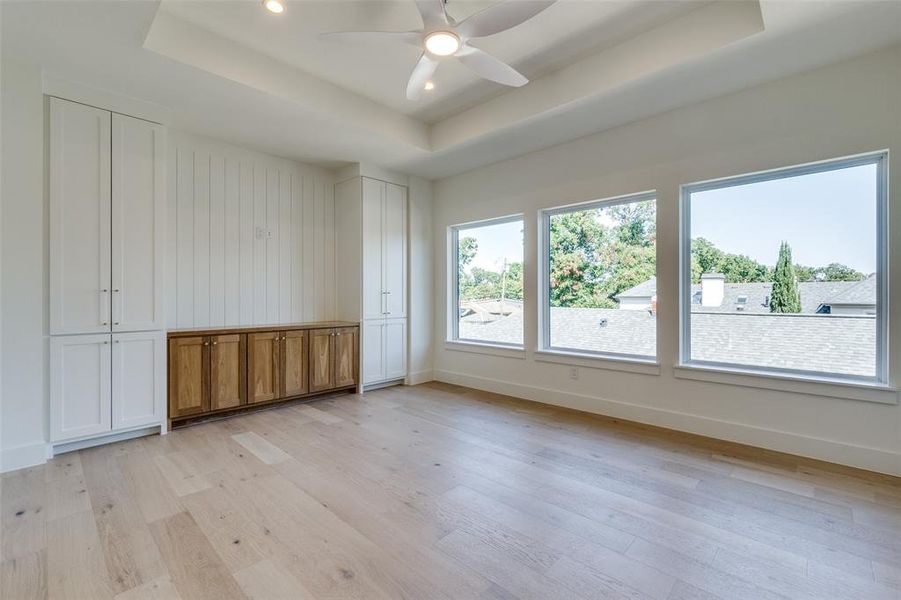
[(826, 217)]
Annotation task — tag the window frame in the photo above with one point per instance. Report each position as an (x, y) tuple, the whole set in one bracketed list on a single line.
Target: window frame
[(453, 312), (881, 375), (544, 287)]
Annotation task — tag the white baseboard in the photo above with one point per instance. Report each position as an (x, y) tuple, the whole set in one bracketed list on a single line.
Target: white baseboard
[(20, 457), (863, 457), (418, 377)]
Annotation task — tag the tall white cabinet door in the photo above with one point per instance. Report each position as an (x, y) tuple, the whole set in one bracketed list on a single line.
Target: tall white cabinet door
[(80, 395), (372, 351), (138, 222), (79, 218), (139, 379), (395, 348), (394, 251), (373, 296)]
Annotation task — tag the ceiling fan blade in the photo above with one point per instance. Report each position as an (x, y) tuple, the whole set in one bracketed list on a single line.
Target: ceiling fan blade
[(414, 38), (485, 65), (501, 17), (433, 13), (422, 72)]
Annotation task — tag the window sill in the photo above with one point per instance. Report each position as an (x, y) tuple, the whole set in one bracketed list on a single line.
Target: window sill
[(817, 386), (596, 361), (485, 348)]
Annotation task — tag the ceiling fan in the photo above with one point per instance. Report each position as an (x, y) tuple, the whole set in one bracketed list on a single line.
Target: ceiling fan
[(442, 37)]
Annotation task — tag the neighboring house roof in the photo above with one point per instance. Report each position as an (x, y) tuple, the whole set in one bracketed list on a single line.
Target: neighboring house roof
[(813, 295), (860, 293), (643, 290), (826, 343)]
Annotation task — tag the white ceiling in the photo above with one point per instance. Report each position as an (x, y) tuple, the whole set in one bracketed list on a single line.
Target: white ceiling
[(567, 30), (230, 70)]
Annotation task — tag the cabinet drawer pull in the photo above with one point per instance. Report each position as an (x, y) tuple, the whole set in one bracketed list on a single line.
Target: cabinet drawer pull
[(214, 343), (206, 343)]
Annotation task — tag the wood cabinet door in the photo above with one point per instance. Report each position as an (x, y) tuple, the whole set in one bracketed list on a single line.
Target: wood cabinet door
[(345, 350), (394, 251), (79, 386), (138, 223), (295, 364), (228, 364), (321, 363), (79, 164), (263, 366), (139, 379), (189, 376)]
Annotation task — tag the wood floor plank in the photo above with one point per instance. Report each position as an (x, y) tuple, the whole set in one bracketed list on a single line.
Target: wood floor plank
[(443, 492), (25, 577), (129, 551), (193, 564), (266, 581), (263, 449), (160, 588)]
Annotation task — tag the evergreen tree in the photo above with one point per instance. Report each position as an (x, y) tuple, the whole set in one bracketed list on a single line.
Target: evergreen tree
[(785, 297)]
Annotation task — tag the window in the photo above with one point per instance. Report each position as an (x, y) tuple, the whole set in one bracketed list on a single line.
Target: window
[(487, 288), (599, 278), (783, 271)]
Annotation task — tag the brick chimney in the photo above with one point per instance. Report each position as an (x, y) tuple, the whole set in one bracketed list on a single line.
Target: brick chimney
[(712, 289)]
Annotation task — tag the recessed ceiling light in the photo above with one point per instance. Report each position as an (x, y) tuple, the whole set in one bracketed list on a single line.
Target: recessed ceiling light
[(429, 86), (275, 6), (442, 43)]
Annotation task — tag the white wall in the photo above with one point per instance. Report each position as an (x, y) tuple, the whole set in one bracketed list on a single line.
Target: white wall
[(24, 250), (835, 111), (220, 272), (422, 281)]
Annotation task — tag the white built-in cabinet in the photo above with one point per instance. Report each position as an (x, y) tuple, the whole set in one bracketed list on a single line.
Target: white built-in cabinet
[(371, 251), (107, 244)]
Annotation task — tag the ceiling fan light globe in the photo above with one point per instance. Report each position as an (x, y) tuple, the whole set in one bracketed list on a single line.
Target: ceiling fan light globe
[(429, 86), (442, 43), (274, 6)]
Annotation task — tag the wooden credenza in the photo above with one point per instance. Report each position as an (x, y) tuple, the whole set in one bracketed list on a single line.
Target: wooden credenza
[(219, 371)]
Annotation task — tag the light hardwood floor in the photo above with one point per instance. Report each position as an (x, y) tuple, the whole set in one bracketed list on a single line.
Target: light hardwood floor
[(437, 492)]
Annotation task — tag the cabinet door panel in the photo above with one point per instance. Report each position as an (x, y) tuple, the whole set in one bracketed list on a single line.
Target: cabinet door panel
[(139, 376), (321, 363), (189, 372), (373, 288), (395, 349), (227, 371), (373, 355), (295, 364), (346, 349), (394, 253), (263, 358), (138, 221), (80, 392), (79, 218)]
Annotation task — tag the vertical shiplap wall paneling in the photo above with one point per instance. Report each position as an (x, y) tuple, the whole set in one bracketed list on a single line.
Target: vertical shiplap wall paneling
[(217, 240), (246, 271), (251, 237), (184, 191), (232, 275), (201, 239)]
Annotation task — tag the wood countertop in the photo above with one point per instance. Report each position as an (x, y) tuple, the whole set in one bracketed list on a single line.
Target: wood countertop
[(193, 331)]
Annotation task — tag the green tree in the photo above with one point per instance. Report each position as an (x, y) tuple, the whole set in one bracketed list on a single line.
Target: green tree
[(576, 261), (785, 297), (705, 258), (839, 272)]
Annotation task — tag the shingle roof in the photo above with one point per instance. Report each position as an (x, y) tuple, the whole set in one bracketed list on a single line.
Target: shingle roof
[(825, 343), (862, 292), (813, 294)]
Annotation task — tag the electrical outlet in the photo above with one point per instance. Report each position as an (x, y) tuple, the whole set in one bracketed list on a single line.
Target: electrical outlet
[(574, 372)]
